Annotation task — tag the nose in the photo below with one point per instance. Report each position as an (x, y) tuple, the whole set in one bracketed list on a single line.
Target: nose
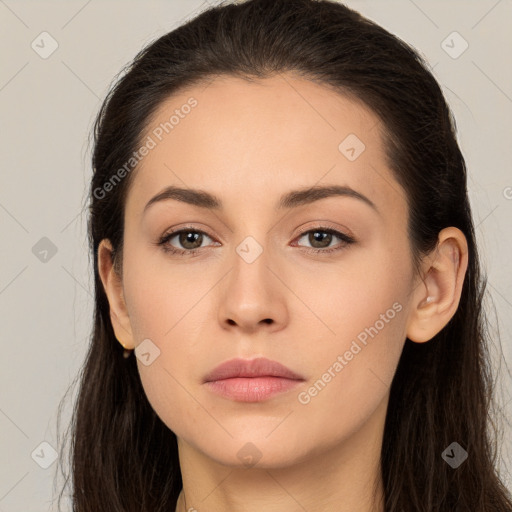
[(253, 297)]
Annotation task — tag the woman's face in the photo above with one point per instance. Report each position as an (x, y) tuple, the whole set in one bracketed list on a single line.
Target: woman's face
[(255, 288)]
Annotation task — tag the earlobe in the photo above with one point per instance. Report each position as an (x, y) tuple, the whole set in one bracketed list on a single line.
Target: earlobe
[(437, 297), (112, 284)]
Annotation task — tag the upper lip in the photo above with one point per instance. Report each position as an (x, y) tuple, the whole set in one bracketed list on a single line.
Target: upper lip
[(259, 367)]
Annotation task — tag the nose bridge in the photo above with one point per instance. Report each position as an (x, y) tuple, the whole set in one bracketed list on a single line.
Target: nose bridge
[(252, 294), (250, 276)]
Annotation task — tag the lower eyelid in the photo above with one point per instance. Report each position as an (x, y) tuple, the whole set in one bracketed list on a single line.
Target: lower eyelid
[(344, 239)]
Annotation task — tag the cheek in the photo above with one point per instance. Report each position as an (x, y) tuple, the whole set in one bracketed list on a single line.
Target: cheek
[(160, 295), (359, 361), (367, 316), (352, 374), (364, 298), (165, 307)]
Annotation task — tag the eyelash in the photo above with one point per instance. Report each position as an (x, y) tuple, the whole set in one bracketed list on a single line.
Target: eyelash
[(163, 241)]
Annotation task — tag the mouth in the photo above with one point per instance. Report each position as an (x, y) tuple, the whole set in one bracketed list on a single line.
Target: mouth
[(251, 389), (253, 380)]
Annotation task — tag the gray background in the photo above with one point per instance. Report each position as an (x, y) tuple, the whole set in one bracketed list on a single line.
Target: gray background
[(47, 108)]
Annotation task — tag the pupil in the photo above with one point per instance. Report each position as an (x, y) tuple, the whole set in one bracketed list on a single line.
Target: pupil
[(189, 237), (323, 237)]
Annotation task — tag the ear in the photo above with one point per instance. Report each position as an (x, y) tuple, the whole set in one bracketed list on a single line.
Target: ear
[(112, 284), (436, 299)]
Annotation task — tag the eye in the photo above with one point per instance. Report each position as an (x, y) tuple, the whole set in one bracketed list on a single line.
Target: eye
[(321, 237), (189, 239)]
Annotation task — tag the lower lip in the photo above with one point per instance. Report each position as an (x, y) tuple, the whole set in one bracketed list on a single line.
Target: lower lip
[(251, 389)]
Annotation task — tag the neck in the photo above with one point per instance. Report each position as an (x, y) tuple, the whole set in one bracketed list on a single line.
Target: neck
[(345, 478)]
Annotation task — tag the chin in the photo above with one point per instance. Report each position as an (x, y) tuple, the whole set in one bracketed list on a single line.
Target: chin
[(255, 452)]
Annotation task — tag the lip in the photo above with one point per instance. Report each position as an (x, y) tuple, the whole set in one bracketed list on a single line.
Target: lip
[(251, 380)]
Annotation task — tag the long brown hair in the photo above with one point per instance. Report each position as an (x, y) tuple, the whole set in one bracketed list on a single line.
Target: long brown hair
[(123, 457)]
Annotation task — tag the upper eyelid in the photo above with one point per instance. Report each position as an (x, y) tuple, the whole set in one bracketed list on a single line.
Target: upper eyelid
[(172, 234), (334, 231)]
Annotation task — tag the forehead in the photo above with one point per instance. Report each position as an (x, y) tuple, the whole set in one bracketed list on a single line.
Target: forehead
[(259, 139)]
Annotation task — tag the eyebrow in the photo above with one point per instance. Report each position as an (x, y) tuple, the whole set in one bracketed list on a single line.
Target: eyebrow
[(291, 199)]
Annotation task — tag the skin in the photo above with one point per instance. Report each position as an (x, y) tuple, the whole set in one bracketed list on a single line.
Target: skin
[(249, 143)]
